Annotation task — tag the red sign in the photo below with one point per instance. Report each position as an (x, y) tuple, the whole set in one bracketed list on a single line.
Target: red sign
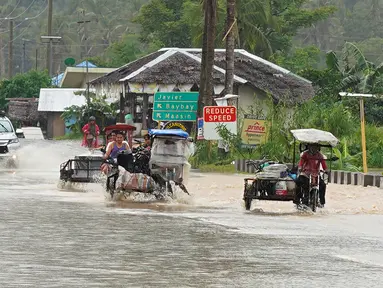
[(219, 114)]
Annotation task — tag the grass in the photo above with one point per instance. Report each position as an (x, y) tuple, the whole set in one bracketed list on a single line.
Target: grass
[(71, 136), (227, 168)]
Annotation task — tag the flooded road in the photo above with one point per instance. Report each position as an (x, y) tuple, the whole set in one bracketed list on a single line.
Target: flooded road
[(55, 238)]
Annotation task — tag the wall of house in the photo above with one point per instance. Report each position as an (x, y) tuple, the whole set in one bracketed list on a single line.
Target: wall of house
[(248, 96), (55, 125)]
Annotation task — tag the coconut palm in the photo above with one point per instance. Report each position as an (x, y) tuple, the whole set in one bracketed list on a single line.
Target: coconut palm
[(254, 19), (206, 80), (230, 45)]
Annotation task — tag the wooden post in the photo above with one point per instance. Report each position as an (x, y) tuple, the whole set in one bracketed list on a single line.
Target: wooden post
[(145, 107)]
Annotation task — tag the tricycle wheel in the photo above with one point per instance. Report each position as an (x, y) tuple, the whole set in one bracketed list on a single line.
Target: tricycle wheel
[(314, 200), (248, 203)]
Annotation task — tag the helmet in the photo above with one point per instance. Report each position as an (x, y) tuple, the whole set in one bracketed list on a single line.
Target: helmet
[(92, 118)]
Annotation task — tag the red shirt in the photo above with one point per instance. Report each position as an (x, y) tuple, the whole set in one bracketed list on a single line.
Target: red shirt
[(310, 164)]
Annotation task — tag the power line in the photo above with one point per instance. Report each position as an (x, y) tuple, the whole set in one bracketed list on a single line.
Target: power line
[(26, 19), (30, 5), (18, 36), (11, 12)]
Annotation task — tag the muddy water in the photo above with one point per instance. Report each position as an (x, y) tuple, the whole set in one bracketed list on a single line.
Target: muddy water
[(76, 238)]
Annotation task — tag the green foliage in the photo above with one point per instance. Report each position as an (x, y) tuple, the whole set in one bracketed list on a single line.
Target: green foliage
[(98, 108), (346, 161), (162, 22), (25, 85), (299, 59), (128, 49)]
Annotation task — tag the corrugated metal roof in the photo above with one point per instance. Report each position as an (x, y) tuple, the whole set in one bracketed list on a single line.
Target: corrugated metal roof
[(83, 64), (57, 99)]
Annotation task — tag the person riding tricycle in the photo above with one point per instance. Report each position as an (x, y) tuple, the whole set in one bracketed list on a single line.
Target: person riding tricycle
[(304, 184), (312, 163)]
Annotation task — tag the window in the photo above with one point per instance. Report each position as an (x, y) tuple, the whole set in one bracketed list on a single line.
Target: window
[(5, 126)]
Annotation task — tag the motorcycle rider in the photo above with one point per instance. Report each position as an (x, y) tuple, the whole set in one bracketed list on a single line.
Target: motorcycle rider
[(311, 162), (91, 132)]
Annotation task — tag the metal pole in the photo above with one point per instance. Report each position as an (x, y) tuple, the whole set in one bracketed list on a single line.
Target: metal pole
[(10, 54), (86, 55), (363, 135), (49, 52)]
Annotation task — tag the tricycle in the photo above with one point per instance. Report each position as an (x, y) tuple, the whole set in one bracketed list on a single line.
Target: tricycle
[(85, 168), (278, 182), (156, 171)]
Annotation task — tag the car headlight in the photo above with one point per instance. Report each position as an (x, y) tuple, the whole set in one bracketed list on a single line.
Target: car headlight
[(13, 141), (14, 157)]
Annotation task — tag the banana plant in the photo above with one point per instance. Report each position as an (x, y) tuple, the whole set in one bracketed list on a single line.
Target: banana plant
[(346, 161)]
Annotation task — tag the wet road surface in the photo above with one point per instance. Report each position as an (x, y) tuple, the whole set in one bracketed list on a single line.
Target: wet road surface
[(76, 238)]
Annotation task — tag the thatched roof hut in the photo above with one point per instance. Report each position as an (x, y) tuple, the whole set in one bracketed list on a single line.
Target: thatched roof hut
[(182, 66), (24, 109)]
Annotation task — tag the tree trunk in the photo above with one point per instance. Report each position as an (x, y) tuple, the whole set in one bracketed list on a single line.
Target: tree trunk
[(2, 62), (230, 45), (202, 81), (212, 21)]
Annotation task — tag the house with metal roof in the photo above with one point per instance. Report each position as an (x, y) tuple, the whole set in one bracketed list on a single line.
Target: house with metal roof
[(52, 102), (78, 76)]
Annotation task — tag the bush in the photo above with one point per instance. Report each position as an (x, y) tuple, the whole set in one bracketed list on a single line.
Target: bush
[(336, 118)]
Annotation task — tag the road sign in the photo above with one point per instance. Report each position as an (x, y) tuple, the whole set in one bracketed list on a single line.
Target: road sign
[(172, 106), (254, 131), (213, 116), (219, 114), (200, 129)]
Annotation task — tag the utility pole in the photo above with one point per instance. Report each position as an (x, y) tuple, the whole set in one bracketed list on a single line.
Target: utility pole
[(49, 51), (10, 52), (86, 54), (37, 53), (23, 62)]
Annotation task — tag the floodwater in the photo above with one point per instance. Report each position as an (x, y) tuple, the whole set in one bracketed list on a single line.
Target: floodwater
[(77, 238)]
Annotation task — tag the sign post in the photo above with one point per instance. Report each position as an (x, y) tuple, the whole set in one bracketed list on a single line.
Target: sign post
[(175, 106), (362, 123), (216, 115)]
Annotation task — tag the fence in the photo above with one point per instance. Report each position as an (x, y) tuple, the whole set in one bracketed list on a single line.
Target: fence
[(336, 177)]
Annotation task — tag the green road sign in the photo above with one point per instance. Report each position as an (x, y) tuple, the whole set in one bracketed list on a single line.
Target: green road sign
[(174, 116), (181, 106)]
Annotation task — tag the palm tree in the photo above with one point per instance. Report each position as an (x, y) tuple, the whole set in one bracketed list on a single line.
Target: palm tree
[(230, 45), (253, 20), (206, 78)]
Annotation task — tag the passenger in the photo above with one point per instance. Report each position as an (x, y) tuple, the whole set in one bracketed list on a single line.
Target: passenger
[(113, 149), (110, 138), (311, 162), (91, 132), (117, 146), (147, 142)]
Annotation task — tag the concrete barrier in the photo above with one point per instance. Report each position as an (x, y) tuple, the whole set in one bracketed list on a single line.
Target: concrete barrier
[(336, 177)]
